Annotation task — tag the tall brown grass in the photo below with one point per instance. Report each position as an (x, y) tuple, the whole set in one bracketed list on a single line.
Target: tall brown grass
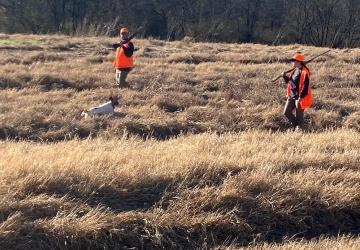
[(198, 154), (194, 191), (328, 244)]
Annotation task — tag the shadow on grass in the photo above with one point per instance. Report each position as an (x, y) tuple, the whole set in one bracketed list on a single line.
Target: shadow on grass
[(162, 132), (313, 219), (140, 196), (261, 221), (342, 110), (21, 47), (43, 131), (45, 83)]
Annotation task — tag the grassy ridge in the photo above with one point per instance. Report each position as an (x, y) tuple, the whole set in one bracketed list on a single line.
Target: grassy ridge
[(194, 191)]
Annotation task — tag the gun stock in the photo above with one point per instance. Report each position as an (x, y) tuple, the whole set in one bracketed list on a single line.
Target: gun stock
[(277, 78)]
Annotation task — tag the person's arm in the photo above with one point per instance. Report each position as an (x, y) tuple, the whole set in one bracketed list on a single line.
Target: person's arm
[(305, 90), (295, 78), (128, 49), (285, 77)]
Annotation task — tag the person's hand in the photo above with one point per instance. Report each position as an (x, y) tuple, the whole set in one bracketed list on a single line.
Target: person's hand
[(116, 45), (285, 77), (297, 103)]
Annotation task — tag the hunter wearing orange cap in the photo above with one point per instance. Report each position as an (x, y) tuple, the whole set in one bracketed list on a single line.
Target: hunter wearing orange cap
[(299, 95), (124, 60)]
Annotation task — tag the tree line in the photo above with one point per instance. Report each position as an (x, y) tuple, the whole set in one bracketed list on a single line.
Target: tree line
[(331, 23)]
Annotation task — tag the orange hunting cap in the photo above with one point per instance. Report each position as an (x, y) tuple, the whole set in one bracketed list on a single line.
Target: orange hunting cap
[(298, 57), (124, 30)]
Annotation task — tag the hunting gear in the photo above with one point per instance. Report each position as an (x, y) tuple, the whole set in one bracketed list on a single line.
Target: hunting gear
[(124, 61), (299, 94), (305, 62)]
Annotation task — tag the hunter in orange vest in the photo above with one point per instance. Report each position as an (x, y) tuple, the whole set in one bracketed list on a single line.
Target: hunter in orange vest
[(124, 60), (299, 94)]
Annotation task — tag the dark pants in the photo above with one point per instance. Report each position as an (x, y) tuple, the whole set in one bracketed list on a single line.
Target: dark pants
[(296, 118), (121, 75)]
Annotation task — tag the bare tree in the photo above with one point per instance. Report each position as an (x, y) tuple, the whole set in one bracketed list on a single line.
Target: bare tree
[(326, 23), (351, 33), (334, 23)]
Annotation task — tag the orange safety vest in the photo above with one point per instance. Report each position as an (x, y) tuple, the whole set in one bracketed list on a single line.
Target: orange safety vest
[(121, 60), (307, 101)]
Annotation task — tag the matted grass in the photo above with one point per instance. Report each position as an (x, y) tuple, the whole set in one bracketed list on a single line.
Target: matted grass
[(198, 154), (177, 88), (194, 191)]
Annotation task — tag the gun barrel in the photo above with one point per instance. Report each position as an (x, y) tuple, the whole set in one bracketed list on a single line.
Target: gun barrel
[(312, 59), (306, 62)]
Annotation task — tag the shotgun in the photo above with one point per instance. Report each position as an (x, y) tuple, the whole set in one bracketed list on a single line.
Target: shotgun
[(119, 44), (306, 62)]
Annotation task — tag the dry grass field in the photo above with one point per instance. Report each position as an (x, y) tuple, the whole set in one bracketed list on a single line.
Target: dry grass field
[(198, 155), (178, 87)]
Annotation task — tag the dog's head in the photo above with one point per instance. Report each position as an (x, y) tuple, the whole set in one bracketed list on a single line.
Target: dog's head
[(114, 100)]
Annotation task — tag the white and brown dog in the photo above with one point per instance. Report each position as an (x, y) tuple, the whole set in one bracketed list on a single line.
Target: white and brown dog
[(107, 108)]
